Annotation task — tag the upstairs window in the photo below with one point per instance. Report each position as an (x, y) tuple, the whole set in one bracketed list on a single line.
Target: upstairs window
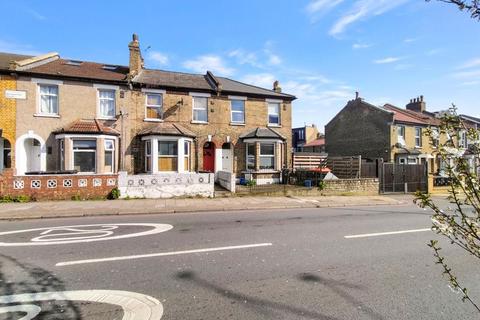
[(401, 135), (462, 139), (418, 137), (106, 101), (435, 137), (154, 106), (238, 111), (274, 113), (48, 99), (200, 109)]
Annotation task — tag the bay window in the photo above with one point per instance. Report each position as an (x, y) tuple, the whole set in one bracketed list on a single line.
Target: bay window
[(84, 155), (267, 156), (154, 106), (167, 155), (251, 156), (186, 155), (148, 156), (106, 102), (48, 102), (200, 109), (109, 155)]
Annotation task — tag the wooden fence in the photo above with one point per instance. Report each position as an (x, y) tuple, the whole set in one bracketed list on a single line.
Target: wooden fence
[(306, 160)]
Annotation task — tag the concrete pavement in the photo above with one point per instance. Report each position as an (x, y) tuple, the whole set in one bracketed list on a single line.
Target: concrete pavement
[(55, 209)]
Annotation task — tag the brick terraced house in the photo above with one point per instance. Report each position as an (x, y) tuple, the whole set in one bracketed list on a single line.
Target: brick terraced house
[(96, 118)]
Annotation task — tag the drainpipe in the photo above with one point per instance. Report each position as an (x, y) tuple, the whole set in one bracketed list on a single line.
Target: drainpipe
[(195, 141)]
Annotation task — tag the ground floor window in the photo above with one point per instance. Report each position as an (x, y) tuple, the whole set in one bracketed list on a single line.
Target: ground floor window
[(6, 149), (84, 155), (109, 155), (251, 156), (167, 155), (148, 156), (186, 146), (267, 156)]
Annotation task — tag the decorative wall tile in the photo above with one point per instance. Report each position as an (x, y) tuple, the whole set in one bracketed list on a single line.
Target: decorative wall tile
[(111, 182), (35, 184), (97, 182), (52, 183), (67, 183), (82, 183), (18, 184)]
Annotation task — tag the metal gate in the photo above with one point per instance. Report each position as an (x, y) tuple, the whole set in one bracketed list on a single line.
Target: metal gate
[(403, 178)]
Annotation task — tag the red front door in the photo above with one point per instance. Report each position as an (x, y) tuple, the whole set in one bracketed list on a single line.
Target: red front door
[(209, 157)]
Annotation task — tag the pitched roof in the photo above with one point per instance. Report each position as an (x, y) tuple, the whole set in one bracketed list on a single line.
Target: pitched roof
[(88, 126), (166, 129), (315, 143), (6, 58), (262, 133), (82, 69), (408, 116), (470, 118), (208, 82)]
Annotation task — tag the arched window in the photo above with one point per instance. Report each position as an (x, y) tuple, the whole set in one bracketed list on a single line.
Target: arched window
[(7, 154)]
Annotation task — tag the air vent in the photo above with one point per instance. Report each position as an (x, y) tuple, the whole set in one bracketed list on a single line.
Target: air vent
[(74, 62), (109, 67)]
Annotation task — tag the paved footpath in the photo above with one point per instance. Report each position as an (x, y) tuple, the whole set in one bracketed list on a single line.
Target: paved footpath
[(55, 209)]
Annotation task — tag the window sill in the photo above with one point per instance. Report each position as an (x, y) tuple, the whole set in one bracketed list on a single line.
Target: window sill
[(152, 120), (199, 122), (237, 123), (272, 125), (262, 171), (107, 118), (40, 115)]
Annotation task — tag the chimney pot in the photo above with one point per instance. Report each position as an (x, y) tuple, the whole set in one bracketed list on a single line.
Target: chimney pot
[(357, 95), (276, 87)]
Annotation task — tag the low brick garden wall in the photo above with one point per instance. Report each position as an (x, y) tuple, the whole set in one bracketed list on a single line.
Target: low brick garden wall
[(57, 187), (367, 186)]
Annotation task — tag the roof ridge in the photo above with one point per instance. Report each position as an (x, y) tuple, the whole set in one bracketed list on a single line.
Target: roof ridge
[(258, 87)]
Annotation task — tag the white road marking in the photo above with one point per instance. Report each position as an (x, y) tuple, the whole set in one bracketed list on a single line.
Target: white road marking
[(161, 254), (386, 233), (74, 234), (135, 306), (31, 311)]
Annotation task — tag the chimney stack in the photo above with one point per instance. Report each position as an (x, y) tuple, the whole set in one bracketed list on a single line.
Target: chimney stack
[(417, 105), (136, 61), (357, 95), (276, 87)]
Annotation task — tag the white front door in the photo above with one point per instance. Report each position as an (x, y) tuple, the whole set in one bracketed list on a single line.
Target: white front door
[(33, 151), (227, 157)]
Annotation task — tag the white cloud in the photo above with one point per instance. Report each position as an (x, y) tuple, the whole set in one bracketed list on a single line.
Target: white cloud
[(10, 46), (158, 58), (316, 8), (467, 74), (212, 63), (264, 80), (387, 60), (243, 57), (357, 46), (274, 59), (470, 64), (362, 10), (410, 40)]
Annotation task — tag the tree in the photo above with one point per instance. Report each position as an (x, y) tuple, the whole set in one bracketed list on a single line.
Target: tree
[(461, 225), (471, 6)]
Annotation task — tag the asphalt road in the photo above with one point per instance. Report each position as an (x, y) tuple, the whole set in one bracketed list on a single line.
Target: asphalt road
[(280, 264)]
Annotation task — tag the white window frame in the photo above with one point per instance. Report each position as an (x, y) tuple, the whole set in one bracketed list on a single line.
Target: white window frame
[(235, 111), (274, 156), (279, 104), (176, 157), (194, 108), (112, 150), (103, 87), (148, 156), (463, 139), (39, 112), (148, 92), (85, 151), (247, 156), (186, 155), (401, 137), (418, 137)]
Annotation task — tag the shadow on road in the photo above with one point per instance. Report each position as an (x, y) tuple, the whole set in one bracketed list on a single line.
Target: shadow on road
[(262, 306), (17, 278), (341, 288)]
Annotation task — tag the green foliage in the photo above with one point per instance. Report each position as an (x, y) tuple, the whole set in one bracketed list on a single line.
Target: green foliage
[(114, 194), (19, 199), (251, 183), (460, 224), (321, 185), (76, 197)]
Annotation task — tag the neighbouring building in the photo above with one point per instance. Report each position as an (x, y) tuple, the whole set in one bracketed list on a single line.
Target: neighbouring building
[(389, 133), (88, 117), (315, 146), (304, 135)]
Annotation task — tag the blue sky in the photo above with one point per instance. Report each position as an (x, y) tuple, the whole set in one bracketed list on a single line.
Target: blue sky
[(321, 51)]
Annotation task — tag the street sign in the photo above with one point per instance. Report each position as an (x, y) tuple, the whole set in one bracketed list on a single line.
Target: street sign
[(15, 94)]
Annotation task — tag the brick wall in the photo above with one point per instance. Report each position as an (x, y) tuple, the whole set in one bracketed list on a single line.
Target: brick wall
[(57, 187), (8, 111), (367, 186)]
